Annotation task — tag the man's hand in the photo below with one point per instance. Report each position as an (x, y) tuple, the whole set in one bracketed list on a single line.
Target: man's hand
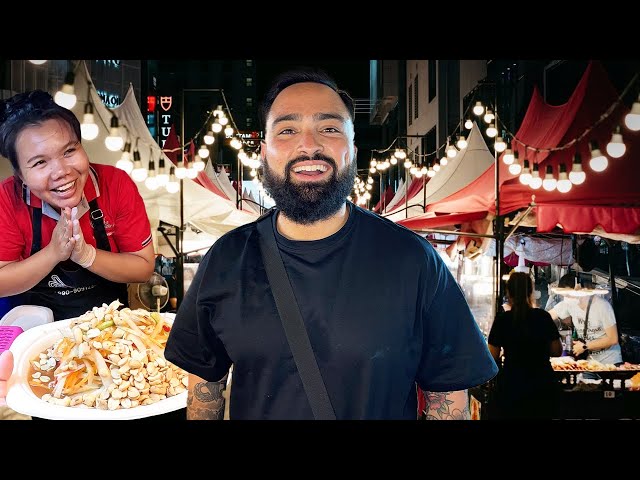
[(6, 366), (83, 253), (62, 242)]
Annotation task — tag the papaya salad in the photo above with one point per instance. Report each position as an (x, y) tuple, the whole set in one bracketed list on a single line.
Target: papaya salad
[(110, 359)]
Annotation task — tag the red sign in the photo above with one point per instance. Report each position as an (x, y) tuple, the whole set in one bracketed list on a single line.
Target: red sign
[(151, 103)]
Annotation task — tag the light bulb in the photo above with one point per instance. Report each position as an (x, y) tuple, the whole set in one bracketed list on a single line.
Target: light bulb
[(549, 182), (507, 158), (577, 175), (436, 167), (192, 172), (451, 151), (151, 182), (616, 147), (209, 138), (172, 187), (223, 120), (632, 119), (216, 127), (489, 116), (139, 173), (564, 184), (468, 124), (492, 131), (598, 161), (462, 142), (407, 164), (88, 128), (125, 163), (198, 164), (203, 151), (536, 181), (515, 168), (228, 130), (443, 161), (37, 62), (525, 175), (500, 146), (181, 172), (478, 108)]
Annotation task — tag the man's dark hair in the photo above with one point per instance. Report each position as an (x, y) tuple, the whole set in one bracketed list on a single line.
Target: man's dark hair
[(29, 109), (567, 281), (302, 75)]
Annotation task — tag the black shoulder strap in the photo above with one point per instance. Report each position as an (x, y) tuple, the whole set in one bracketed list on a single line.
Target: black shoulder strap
[(97, 222), (292, 322), (586, 319), (36, 224)]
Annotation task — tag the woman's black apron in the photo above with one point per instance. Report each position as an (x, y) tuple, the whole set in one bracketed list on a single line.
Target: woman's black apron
[(70, 290)]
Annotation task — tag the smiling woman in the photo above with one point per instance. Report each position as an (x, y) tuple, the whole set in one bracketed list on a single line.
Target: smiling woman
[(75, 233)]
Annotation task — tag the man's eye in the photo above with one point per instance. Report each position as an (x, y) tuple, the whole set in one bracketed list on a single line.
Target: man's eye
[(331, 129), (70, 151), (286, 131), (38, 163)]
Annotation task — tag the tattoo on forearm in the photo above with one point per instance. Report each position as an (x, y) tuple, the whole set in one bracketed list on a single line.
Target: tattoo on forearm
[(205, 401), (439, 407)]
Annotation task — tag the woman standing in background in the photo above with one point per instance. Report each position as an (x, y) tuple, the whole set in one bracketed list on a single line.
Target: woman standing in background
[(527, 337)]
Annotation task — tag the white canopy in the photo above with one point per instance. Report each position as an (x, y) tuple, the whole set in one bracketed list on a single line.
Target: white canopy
[(202, 208), (468, 165)]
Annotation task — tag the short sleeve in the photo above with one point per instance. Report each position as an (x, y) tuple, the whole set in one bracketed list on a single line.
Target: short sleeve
[(562, 309), (455, 354), (13, 242), (193, 344), (605, 312)]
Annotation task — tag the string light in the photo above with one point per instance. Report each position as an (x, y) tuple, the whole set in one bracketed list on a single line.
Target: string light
[(616, 147), (632, 119), (536, 181), (66, 96), (598, 162), (576, 175)]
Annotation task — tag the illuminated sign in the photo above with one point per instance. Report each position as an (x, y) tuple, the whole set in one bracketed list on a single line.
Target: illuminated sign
[(165, 103), (110, 100), (151, 103)]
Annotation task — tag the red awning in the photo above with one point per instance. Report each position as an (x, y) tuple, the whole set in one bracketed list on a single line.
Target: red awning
[(427, 221)]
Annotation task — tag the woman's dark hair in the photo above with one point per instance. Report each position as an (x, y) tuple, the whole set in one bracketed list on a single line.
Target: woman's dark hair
[(29, 109), (520, 289), (302, 75)]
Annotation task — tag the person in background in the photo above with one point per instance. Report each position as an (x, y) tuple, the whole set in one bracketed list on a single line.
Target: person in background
[(74, 233), (371, 352), (526, 337), (601, 338)]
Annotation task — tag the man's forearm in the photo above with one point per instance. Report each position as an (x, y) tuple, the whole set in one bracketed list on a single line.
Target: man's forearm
[(205, 400), (447, 405)]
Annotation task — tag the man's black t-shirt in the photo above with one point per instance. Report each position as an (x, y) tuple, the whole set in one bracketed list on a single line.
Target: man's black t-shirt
[(381, 309)]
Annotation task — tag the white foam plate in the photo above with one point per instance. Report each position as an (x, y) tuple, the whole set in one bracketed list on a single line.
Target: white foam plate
[(21, 398), (27, 316)]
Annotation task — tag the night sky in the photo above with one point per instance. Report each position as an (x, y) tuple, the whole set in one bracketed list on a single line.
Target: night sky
[(350, 75)]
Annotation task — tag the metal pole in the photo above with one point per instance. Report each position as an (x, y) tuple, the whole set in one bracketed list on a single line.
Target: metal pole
[(498, 220), (179, 231)]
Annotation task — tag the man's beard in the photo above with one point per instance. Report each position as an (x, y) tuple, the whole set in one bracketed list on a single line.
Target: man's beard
[(310, 202)]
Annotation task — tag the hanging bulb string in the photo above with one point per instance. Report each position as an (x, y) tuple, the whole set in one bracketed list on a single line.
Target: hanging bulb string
[(580, 137)]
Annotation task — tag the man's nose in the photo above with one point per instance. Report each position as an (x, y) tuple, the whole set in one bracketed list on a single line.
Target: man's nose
[(310, 143)]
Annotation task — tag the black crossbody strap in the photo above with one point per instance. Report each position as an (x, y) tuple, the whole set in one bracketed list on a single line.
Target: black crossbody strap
[(586, 320), (292, 322)]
